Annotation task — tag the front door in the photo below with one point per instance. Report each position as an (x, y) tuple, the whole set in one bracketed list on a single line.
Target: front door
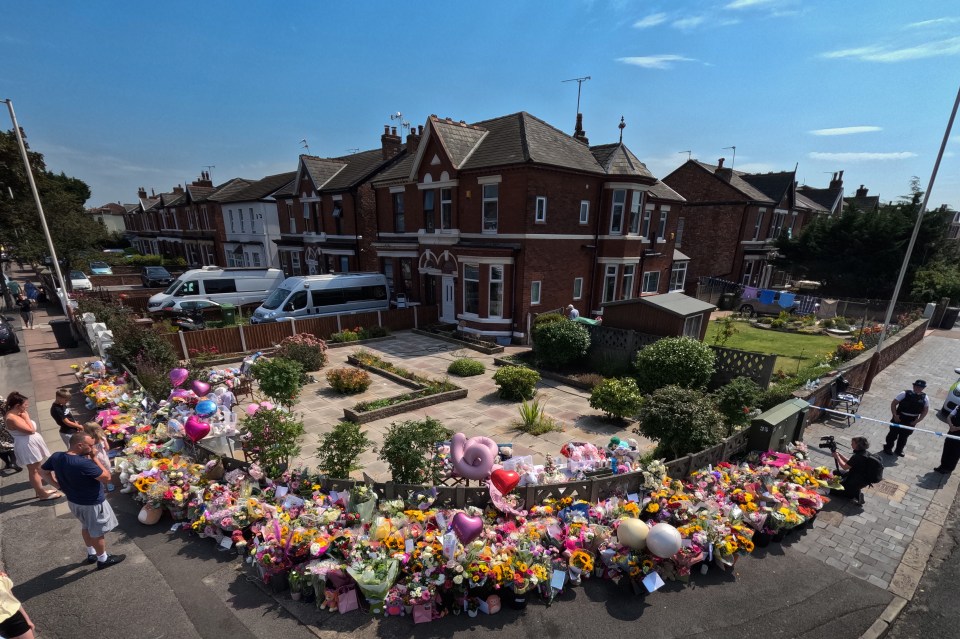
[(447, 309)]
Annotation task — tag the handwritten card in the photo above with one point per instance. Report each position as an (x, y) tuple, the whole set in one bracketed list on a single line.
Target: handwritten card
[(408, 545), (633, 497), (558, 579), (226, 543), (281, 491), (653, 582)]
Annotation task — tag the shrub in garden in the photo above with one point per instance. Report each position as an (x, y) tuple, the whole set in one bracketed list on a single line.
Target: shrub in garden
[(681, 420), (827, 323), (533, 420), (279, 379), (339, 449), (271, 438), (559, 343), (778, 323), (735, 401), (616, 397), (344, 336), (410, 450), (548, 318), (375, 331), (466, 367), (349, 380), (682, 361), (516, 382), (309, 350), (776, 394)]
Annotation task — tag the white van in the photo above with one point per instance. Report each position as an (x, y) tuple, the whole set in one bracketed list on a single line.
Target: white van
[(316, 295), (237, 286)]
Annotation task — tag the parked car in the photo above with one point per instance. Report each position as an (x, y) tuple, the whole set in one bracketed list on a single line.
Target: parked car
[(153, 276), (80, 282), (208, 308), (9, 342), (100, 268), (953, 397), (754, 307)]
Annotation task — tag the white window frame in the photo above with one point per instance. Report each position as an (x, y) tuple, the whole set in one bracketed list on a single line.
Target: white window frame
[(678, 236), (446, 209), (617, 210), (253, 222), (662, 228), (292, 219), (490, 225), (629, 273), (232, 229), (645, 225), (255, 259), (467, 280), (577, 288), (776, 224), (584, 211), (651, 282), (610, 276), (536, 290), (759, 224), (490, 290), (678, 276), (636, 205), (295, 267), (540, 212), (306, 210), (692, 326)]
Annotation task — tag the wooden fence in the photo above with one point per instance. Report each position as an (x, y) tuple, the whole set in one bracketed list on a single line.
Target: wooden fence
[(257, 337)]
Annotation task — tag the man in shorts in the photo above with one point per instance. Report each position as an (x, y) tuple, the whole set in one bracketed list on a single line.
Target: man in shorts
[(81, 477)]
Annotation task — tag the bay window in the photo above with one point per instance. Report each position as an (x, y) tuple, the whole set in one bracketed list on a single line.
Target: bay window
[(471, 289)]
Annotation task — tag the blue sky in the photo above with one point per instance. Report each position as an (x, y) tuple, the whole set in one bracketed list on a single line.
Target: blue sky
[(125, 94)]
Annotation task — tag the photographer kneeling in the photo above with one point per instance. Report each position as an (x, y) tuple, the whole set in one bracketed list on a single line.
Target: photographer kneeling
[(856, 471)]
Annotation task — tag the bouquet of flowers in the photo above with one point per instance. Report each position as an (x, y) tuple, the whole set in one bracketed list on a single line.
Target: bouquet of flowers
[(374, 577)]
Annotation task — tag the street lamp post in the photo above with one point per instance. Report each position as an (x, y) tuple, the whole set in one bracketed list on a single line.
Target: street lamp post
[(36, 199)]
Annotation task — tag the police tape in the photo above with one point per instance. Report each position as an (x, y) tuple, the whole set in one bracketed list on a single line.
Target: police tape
[(857, 417)]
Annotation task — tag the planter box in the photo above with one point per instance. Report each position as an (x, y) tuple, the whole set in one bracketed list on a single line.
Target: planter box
[(557, 377), (402, 407), (492, 349), (393, 377), (359, 342)]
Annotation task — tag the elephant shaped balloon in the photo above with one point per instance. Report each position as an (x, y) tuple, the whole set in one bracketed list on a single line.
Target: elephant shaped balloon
[(473, 458)]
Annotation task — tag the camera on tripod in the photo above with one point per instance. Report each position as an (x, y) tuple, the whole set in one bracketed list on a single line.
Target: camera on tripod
[(828, 442)]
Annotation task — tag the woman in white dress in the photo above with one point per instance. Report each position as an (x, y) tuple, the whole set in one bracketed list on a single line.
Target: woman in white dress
[(28, 444)]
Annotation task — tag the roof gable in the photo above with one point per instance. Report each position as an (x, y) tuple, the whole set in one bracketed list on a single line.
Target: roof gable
[(775, 186), (735, 180), (319, 170), (617, 159)]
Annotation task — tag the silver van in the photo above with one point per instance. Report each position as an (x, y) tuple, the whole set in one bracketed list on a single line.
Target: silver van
[(317, 295), (237, 286)]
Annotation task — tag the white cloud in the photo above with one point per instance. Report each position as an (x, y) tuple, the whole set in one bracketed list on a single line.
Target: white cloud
[(862, 157), (747, 4), (932, 23), (651, 20), (655, 61), (846, 130), (873, 53), (689, 23)]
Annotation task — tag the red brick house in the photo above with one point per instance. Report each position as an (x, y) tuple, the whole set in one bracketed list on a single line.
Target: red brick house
[(503, 219), (731, 220)]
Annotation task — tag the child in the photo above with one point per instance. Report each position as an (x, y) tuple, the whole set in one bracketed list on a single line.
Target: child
[(101, 446)]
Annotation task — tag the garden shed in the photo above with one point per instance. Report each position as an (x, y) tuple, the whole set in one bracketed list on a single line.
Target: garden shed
[(666, 315)]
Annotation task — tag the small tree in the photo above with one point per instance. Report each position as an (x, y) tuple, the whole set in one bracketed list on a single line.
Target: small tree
[(617, 398), (726, 328), (559, 343), (735, 401), (271, 437), (279, 379), (409, 448), (681, 361), (309, 350), (681, 420), (339, 449)]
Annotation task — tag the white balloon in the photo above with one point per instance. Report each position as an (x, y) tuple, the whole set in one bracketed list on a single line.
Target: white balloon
[(664, 540), (632, 533)]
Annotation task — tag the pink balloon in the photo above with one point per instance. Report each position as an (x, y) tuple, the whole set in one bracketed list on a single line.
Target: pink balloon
[(201, 388), (252, 408), (466, 527), (180, 392), (473, 458), (179, 376), (196, 429)]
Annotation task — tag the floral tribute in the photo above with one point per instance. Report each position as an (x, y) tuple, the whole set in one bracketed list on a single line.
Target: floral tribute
[(354, 549)]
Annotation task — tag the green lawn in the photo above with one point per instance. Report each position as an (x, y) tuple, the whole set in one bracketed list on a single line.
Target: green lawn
[(792, 349)]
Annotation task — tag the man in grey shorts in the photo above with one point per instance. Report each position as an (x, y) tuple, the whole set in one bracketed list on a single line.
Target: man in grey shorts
[(81, 477)]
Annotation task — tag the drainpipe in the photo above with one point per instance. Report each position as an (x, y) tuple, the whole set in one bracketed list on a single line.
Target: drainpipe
[(513, 287), (596, 250)]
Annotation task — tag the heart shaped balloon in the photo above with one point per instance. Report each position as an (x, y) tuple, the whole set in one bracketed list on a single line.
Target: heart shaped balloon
[(200, 388), (179, 392), (466, 527), (252, 408), (206, 408), (504, 480), (196, 429), (179, 376)]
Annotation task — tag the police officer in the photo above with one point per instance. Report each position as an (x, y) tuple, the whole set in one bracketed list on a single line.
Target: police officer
[(908, 408)]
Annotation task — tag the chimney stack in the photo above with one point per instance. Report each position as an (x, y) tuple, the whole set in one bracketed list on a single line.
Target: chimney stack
[(862, 192), (178, 188), (720, 163), (578, 133), (153, 193), (837, 181), (142, 193), (390, 142), (413, 141)]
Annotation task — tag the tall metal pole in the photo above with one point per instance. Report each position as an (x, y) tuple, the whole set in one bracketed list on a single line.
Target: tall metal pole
[(913, 239), (36, 199)]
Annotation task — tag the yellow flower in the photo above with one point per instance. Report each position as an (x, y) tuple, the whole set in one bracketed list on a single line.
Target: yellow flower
[(653, 507)]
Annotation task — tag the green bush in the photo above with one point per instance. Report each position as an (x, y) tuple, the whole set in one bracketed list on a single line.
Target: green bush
[(307, 349), (466, 367), (548, 318), (271, 438), (681, 420), (559, 343), (778, 323), (349, 380), (410, 450), (617, 398), (516, 382), (841, 323), (735, 401), (344, 336), (279, 379), (776, 394), (681, 361), (339, 449), (827, 323)]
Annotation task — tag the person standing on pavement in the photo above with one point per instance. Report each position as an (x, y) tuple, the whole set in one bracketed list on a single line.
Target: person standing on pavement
[(28, 444), (15, 623), (60, 413), (908, 408), (26, 310), (951, 447), (82, 477)]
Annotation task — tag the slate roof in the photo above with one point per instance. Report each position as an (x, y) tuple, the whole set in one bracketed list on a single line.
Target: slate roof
[(773, 185), (172, 199), (320, 170), (228, 188), (149, 203), (863, 203), (261, 188), (802, 201), (661, 191), (359, 167), (199, 193), (616, 159), (736, 181), (458, 139), (400, 170), (826, 198), (131, 208)]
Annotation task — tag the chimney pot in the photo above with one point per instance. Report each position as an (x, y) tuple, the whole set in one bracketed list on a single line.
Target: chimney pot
[(720, 163), (420, 130), (393, 130), (386, 129)]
